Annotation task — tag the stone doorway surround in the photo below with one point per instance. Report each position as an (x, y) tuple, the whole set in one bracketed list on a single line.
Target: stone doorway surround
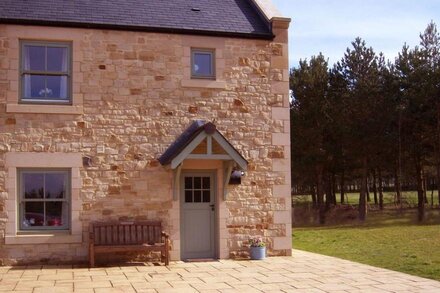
[(222, 250), (201, 147)]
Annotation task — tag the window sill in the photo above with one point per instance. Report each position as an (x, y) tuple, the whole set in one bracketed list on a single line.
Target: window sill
[(204, 83), (44, 109), (46, 238)]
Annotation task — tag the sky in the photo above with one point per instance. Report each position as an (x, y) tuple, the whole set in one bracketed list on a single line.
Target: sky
[(329, 26)]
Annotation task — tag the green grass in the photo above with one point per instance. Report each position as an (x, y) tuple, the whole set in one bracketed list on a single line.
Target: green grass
[(409, 198), (385, 241)]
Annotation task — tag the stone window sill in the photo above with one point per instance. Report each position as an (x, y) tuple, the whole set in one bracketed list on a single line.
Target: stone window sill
[(44, 109), (204, 83), (55, 238)]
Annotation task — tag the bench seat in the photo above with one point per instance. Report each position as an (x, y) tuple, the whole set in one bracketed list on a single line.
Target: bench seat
[(135, 236)]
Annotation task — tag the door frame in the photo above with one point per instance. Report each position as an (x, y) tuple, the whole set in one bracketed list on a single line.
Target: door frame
[(201, 172)]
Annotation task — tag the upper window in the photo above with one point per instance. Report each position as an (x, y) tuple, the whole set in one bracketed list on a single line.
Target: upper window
[(203, 63), (45, 72), (44, 199)]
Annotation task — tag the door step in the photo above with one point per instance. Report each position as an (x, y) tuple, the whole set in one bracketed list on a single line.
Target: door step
[(200, 260)]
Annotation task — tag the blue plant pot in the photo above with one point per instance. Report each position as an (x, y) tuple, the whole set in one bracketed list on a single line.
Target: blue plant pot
[(257, 253)]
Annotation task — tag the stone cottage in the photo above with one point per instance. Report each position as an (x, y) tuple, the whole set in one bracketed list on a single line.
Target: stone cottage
[(173, 110)]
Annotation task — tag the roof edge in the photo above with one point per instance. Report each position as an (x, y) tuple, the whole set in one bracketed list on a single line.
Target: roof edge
[(268, 36), (269, 10), (191, 134)]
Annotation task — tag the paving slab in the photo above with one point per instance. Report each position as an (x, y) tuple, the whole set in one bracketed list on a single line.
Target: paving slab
[(303, 272)]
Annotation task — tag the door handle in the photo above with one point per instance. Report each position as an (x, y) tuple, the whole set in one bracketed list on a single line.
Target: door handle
[(212, 207)]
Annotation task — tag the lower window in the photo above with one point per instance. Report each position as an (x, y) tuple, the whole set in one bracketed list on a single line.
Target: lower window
[(44, 199)]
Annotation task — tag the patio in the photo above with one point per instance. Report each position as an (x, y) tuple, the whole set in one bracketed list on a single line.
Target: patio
[(304, 272)]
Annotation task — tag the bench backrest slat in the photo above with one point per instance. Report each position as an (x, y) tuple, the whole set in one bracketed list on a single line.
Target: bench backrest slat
[(126, 233)]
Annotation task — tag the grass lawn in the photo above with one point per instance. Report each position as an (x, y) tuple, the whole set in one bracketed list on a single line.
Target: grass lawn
[(409, 198), (383, 241)]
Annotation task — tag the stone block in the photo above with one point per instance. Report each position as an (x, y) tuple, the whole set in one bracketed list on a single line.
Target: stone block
[(282, 242), (3, 195), (276, 154), (281, 190), (280, 87), (280, 113), (282, 139), (287, 126), (279, 62), (282, 217), (10, 121), (282, 165)]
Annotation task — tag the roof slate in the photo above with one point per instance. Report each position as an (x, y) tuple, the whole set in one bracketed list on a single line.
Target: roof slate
[(182, 141), (223, 17)]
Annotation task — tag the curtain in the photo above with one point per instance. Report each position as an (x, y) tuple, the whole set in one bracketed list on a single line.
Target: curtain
[(27, 77), (63, 79)]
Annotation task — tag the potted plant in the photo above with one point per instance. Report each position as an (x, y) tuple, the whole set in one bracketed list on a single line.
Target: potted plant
[(257, 249)]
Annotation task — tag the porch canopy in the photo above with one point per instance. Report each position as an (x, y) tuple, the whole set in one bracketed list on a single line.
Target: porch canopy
[(202, 141)]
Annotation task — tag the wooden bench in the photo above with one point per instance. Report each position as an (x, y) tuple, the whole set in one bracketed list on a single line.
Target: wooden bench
[(129, 236)]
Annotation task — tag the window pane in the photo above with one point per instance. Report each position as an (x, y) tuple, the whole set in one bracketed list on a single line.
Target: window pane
[(54, 213), (197, 196), (33, 214), (206, 182), (56, 87), (55, 185), (188, 183), (197, 182), (202, 64), (57, 59), (34, 58), (188, 196), (33, 185), (34, 86), (206, 196)]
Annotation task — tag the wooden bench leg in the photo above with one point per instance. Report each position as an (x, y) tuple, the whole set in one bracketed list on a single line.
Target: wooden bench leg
[(164, 257), (91, 256), (167, 252)]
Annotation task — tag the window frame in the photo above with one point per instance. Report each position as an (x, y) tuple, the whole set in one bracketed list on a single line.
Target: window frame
[(203, 51), (22, 72), (21, 200)]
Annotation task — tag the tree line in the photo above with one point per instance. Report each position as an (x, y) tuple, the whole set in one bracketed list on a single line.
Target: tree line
[(367, 119)]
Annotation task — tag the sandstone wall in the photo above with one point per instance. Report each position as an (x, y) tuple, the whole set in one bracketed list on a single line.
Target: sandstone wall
[(132, 97)]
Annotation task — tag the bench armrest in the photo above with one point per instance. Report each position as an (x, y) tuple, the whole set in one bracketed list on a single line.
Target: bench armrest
[(165, 256), (165, 235)]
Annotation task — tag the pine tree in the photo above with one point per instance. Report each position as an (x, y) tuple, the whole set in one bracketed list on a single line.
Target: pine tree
[(360, 68), (430, 50), (309, 120)]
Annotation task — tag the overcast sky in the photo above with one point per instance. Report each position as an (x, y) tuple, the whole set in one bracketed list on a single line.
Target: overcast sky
[(329, 26)]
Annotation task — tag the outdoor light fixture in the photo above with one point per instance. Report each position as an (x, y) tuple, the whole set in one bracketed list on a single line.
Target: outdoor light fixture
[(236, 177), (87, 161)]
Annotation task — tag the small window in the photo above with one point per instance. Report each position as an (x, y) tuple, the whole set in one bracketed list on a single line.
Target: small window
[(44, 199), (45, 72), (197, 189), (203, 63)]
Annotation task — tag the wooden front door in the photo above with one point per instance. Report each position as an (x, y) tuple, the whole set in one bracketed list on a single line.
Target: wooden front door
[(198, 216)]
